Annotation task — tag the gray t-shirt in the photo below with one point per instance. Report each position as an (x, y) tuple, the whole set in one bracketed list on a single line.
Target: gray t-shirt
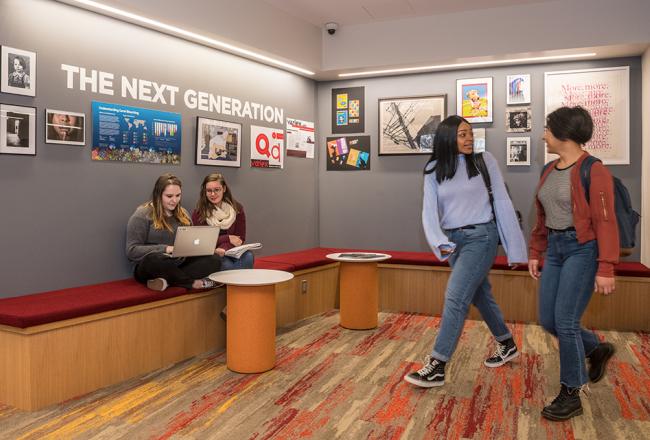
[(141, 237), (555, 196)]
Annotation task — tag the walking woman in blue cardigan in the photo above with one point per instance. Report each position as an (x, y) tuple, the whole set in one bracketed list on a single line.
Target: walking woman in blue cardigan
[(460, 225)]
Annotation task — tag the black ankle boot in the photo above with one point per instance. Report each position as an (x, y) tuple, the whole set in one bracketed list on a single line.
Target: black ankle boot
[(598, 360), (566, 405)]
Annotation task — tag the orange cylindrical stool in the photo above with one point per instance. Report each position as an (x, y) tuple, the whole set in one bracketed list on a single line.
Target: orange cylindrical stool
[(359, 289), (250, 328)]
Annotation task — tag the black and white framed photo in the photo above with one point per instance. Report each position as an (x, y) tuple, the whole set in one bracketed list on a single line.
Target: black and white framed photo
[(218, 143), (408, 125), (63, 127), (518, 119), (18, 71), (518, 150), (17, 129)]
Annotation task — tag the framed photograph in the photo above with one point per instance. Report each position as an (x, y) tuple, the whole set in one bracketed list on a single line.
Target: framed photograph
[(518, 150), (479, 140), (63, 127), (518, 119), (17, 130), (605, 93), (18, 71), (408, 125), (517, 89), (218, 142), (474, 99)]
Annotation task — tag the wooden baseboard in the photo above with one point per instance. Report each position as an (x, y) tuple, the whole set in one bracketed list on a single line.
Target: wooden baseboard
[(48, 364)]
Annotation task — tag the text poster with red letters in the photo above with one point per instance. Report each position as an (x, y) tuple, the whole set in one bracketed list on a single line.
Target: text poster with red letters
[(605, 93), (267, 147)]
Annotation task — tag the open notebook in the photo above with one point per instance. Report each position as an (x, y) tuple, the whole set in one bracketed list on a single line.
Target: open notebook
[(238, 251)]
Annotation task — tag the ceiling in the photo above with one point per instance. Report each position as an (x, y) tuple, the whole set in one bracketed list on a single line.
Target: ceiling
[(353, 12), (388, 34)]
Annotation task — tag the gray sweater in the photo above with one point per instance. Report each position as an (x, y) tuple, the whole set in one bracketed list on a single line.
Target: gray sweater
[(141, 237)]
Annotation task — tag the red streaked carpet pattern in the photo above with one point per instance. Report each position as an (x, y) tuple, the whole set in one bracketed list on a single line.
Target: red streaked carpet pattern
[(331, 383)]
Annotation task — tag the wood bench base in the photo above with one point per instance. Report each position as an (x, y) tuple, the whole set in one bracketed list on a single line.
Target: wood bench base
[(421, 289), (51, 363)]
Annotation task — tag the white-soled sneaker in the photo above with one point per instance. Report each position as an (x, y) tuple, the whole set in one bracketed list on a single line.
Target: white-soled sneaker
[(158, 284), (432, 374), (210, 284), (505, 352)]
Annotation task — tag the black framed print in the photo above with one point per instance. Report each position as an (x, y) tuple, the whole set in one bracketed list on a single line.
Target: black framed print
[(17, 130)]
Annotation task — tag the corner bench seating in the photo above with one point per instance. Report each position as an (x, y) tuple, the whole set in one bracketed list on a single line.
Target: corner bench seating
[(61, 344)]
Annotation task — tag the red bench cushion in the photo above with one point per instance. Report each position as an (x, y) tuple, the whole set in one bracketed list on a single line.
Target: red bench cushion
[(298, 260), (57, 305)]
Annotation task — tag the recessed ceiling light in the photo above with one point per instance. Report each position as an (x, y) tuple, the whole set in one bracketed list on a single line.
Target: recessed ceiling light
[(192, 36), (469, 64)]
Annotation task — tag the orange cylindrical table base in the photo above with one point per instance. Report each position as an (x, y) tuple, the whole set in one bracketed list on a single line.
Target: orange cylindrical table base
[(250, 342), (359, 295)]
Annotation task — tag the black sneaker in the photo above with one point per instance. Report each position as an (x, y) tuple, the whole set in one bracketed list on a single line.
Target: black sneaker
[(210, 284), (566, 405), (598, 360), (432, 374), (505, 352)]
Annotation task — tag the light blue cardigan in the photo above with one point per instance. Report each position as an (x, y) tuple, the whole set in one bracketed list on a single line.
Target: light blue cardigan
[(462, 201)]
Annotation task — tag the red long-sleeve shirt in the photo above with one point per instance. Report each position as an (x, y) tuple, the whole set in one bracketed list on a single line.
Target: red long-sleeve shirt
[(594, 220)]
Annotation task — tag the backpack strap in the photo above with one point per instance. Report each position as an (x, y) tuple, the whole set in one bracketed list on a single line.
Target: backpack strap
[(485, 174), (585, 173)]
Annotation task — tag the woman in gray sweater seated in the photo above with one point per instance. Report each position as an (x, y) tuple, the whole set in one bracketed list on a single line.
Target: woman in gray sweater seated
[(150, 239)]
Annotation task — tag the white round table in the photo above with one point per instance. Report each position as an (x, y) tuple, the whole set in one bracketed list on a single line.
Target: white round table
[(359, 288), (250, 335)]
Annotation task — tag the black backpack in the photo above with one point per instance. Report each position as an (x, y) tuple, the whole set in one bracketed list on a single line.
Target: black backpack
[(626, 217), (483, 171)]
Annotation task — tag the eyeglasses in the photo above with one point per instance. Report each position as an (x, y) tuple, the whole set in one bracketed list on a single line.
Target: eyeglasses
[(214, 191)]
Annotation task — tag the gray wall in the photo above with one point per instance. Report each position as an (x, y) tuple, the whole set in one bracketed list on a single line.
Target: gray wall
[(381, 208), (64, 216)]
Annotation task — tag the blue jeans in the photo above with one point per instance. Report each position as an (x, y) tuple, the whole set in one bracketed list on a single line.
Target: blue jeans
[(244, 262), (468, 284), (566, 287)]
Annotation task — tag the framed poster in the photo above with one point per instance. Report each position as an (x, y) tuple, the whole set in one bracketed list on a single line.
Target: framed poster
[(348, 153), (132, 134), (17, 129), (518, 151), (218, 143), (408, 125), (517, 89), (474, 99), (605, 93), (348, 110), (267, 147), (518, 119), (17, 71), (63, 127), (300, 138)]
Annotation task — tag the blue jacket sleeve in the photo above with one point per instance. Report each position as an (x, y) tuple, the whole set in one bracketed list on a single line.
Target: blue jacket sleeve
[(431, 220), (512, 237)]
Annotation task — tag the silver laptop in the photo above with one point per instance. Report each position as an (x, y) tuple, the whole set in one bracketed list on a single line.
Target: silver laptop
[(194, 241)]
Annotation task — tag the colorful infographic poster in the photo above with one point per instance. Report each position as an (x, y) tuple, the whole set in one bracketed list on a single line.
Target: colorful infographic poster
[(131, 134), (300, 138), (348, 110), (349, 153), (267, 145)]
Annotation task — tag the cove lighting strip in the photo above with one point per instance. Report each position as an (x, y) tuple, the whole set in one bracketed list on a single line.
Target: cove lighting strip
[(472, 64), (176, 31)]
